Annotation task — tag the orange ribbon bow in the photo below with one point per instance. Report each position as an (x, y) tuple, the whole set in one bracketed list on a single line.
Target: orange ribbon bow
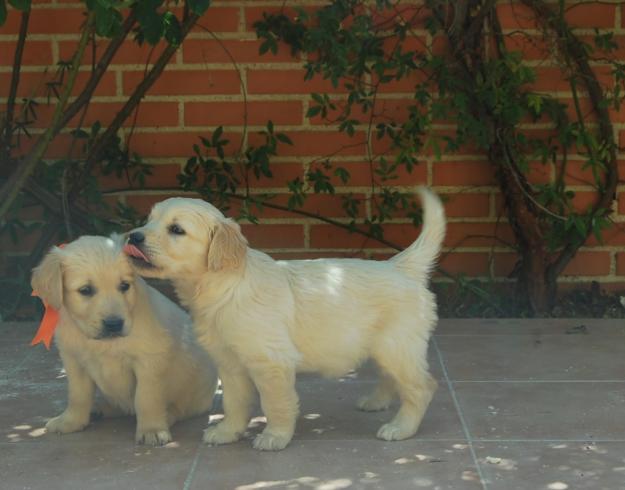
[(47, 326), (48, 323)]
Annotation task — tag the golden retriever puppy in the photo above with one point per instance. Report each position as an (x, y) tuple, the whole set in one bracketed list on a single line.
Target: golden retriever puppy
[(263, 320), (122, 336)]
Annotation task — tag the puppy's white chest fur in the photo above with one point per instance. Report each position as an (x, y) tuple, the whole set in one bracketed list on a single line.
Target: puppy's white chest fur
[(114, 377), (112, 373)]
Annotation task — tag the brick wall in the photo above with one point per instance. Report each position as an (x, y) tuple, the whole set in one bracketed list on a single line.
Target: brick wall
[(201, 89)]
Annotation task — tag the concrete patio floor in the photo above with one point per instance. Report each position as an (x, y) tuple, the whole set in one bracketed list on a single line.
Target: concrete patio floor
[(522, 404)]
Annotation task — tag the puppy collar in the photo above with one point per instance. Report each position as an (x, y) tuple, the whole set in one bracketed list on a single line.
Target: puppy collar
[(48, 323)]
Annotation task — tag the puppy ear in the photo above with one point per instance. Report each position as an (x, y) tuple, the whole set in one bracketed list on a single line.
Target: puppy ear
[(47, 279), (228, 246)]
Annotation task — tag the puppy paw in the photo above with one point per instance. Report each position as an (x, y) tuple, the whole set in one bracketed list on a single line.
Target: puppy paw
[(220, 434), (394, 432), (371, 403), (153, 437), (66, 423), (267, 441)]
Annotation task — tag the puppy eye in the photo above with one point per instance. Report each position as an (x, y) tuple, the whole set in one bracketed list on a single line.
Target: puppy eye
[(176, 230), (124, 286), (87, 291)]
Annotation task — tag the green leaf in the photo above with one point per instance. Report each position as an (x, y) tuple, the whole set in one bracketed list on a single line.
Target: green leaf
[(284, 138), (3, 12), (173, 33), (199, 6), (23, 5)]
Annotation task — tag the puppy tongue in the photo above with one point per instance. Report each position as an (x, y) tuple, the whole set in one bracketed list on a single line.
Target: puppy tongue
[(135, 252)]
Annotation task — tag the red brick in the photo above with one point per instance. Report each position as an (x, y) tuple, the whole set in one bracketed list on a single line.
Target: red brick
[(282, 173), (35, 84), (326, 143), (176, 144), (467, 205), (151, 114), (463, 173), (591, 15), (553, 79), (621, 203), (274, 236), (287, 82), (516, 16), (143, 203), (504, 263), (163, 176), (406, 84), (613, 236), (241, 50), (478, 234), (218, 19), (46, 21), (35, 53), (58, 148), (384, 111), (327, 205), (588, 264), (467, 263), (233, 113), (582, 201), (130, 52), (531, 46), (317, 255), (191, 82), (539, 173), (620, 263), (329, 236), (360, 174)]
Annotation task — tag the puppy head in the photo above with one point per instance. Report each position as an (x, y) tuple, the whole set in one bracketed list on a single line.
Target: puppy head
[(93, 280), (184, 237)]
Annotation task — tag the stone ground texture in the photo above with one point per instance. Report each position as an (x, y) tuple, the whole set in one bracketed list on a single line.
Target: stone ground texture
[(522, 404)]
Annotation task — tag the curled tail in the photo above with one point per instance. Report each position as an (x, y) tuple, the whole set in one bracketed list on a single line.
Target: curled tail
[(418, 259)]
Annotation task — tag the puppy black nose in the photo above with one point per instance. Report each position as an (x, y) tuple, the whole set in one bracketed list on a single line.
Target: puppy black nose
[(113, 324), (136, 238)]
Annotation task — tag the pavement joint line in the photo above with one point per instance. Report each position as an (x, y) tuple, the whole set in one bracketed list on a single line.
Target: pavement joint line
[(540, 381), (465, 428), (15, 368), (550, 441), (189, 479)]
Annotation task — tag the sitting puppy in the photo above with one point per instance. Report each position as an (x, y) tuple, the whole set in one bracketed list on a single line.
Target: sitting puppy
[(121, 335), (263, 320)]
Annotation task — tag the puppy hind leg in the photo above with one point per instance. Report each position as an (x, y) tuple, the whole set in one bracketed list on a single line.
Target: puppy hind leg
[(280, 404), (406, 365), (381, 397), (238, 397)]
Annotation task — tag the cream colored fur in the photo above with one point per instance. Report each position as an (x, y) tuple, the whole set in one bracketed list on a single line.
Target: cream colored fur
[(152, 370), (263, 320)]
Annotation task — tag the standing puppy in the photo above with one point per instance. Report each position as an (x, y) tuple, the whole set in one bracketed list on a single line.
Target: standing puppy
[(263, 320), (120, 335)]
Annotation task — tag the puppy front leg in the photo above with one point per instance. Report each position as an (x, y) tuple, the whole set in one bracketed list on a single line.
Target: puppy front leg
[(80, 399), (278, 398), (238, 396), (151, 410)]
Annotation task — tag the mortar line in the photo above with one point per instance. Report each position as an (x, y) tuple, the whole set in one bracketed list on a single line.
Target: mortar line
[(465, 428)]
